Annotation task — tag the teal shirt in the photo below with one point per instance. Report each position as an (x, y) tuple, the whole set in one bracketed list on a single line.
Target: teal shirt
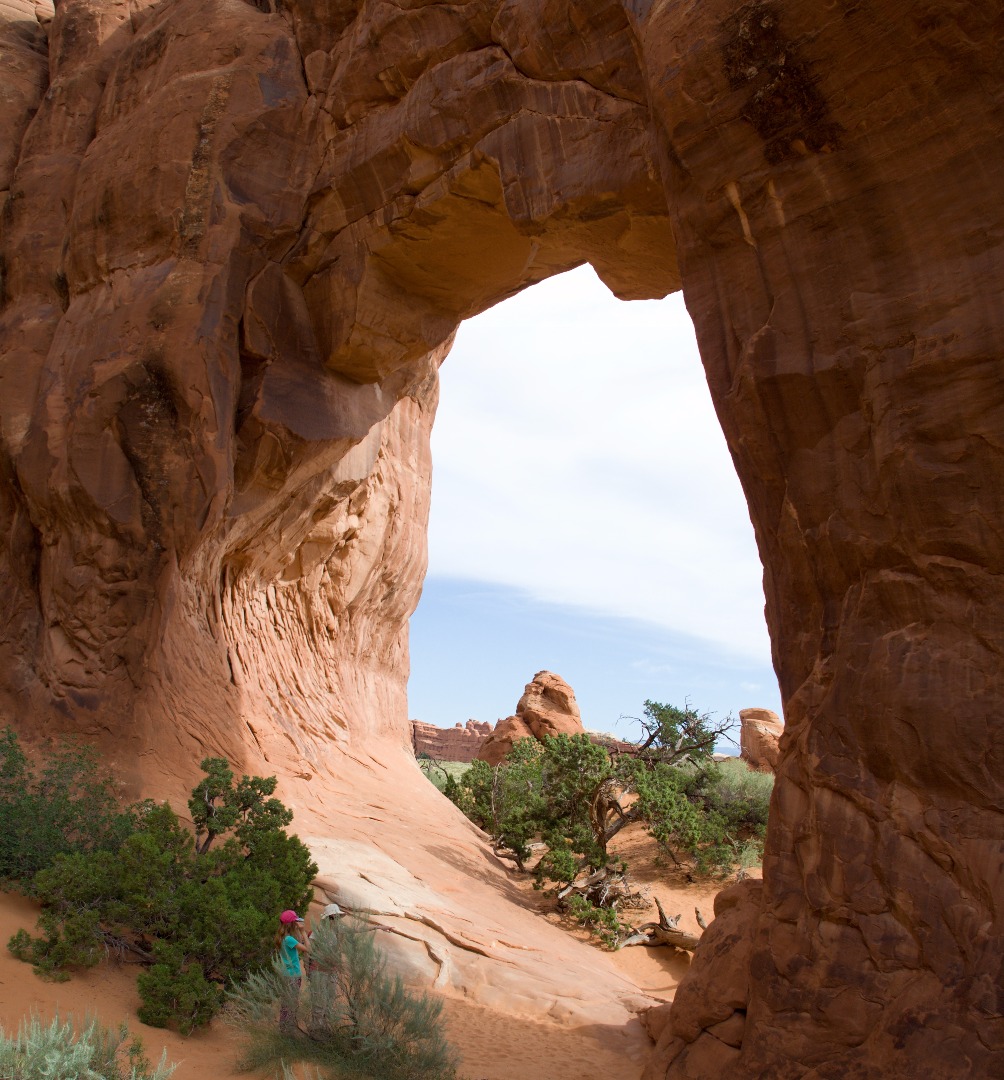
[(290, 956)]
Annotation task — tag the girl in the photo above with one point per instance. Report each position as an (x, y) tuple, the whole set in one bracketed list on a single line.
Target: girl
[(290, 948)]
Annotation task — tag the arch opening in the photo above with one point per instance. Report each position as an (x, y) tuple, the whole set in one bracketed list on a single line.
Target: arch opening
[(585, 518)]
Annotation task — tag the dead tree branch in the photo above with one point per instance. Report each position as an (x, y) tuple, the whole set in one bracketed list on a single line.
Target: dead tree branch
[(664, 932)]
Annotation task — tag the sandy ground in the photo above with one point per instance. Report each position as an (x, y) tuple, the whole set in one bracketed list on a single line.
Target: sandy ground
[(493, 1046), (658, 971), (107, 991)]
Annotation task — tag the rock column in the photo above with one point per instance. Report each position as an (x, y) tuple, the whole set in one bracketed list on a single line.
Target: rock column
[(834, 176)]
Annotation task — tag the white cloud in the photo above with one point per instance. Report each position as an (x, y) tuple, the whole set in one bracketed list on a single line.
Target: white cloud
[(577, 456)]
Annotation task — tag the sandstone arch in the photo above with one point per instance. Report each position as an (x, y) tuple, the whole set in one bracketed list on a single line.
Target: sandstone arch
[(236, 241)]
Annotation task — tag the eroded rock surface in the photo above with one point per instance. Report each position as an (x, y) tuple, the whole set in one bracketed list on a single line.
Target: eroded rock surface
[(236, 241), (547, 708), (840, 243), (759, 737), (701, 1032), (458, 743)]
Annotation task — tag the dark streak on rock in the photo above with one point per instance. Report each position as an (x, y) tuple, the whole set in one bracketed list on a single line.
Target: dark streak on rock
[(784, 104)]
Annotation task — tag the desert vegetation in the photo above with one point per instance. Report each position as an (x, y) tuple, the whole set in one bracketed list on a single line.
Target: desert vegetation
[(62, 1049), (194, 905), (440, 772), (356, 1020), (554, 807), (65, 807)]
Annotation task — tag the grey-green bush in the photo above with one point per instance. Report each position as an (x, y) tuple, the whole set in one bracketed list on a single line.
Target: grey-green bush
[(60, 1051), (741, 795), (355, 1021)]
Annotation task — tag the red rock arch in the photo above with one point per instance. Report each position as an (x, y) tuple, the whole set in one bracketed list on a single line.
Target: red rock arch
[(236, 242)]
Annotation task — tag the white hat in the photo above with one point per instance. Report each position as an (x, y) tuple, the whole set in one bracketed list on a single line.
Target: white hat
[(332, 911)]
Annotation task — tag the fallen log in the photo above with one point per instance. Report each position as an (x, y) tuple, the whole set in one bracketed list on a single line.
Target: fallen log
[(604, 888), (664, 932)]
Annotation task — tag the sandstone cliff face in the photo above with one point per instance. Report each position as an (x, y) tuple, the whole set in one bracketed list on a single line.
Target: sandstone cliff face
[(235, 244), (458, 743), (839, 239)]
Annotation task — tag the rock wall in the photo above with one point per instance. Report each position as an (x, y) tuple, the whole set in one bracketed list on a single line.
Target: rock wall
[(839, 235), (458, 743), (236, 241), (236, 246)]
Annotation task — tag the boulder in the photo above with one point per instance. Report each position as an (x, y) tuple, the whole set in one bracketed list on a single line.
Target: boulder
[(547, 707), (759, 735), (710, 1008)]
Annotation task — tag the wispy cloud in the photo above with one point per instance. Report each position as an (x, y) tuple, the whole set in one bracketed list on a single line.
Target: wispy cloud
[(577, 457)]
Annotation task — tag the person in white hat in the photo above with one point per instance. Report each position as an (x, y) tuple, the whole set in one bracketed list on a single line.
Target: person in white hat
[(320, 1000)]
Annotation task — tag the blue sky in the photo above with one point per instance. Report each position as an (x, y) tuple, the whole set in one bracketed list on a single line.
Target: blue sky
[(586, 519)]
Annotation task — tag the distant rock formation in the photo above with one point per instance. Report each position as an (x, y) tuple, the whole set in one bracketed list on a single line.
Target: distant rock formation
[(507, 732), (758, 738), (547, 707), (458, 743), (462, 742)]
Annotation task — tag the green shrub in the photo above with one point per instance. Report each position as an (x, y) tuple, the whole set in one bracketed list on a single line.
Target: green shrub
[(568, 794), (356, 1021), (604, 922), (57, 1051), (175, 990), (734, 803), (200, 916), (67, 806), (506, 801)]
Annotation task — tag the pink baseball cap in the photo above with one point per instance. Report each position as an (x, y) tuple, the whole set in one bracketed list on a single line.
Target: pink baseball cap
[(289, 916)]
